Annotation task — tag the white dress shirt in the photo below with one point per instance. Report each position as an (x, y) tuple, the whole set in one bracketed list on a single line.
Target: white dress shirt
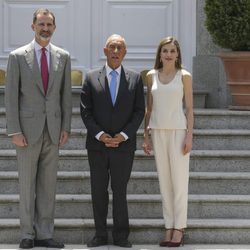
[(38, 50)]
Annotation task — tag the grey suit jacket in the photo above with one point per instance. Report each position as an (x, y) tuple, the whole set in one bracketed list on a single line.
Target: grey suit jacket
[(27, 106)]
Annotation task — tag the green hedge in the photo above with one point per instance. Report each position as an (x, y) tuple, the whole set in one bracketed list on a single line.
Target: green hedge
[(228, 22)]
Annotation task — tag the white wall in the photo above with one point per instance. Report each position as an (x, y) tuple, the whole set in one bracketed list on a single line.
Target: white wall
[(84, 25)]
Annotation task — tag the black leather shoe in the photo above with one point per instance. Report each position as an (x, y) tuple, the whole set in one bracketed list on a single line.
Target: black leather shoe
[(48, 243), (97, 241), (26, 243), (123, 243)]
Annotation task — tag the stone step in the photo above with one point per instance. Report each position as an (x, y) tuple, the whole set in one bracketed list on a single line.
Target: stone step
[(204, 119), (140, 206), (145, 246), (200, 161), (204, 139), (142, 231), (142, 183), (221, 119), (221, 139), (199, 97), (220, 161)]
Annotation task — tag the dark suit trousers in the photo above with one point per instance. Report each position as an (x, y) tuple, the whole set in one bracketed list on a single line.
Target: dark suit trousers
[(110, 163)]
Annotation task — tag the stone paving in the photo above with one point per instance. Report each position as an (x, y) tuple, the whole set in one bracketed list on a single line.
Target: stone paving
[(141, 247)]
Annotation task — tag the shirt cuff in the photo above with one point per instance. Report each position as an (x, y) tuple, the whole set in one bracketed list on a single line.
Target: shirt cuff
[(124, 135), (99, 135), (18, 133)]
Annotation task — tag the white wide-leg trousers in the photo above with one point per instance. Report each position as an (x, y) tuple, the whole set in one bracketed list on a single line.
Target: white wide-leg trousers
[(173, 173)]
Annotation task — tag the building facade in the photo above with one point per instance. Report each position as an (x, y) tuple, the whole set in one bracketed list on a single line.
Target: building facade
[(84, 25)]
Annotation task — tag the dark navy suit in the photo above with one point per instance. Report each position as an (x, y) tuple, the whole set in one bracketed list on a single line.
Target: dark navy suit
[(99, 114)]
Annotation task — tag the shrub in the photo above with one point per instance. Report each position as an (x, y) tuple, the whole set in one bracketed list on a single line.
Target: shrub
[(228, 22)]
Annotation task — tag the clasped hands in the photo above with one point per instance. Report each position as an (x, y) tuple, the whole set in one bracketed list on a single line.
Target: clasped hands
[(111, 142)]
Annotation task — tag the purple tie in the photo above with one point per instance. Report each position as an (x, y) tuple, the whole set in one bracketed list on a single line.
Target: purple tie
[(44, 70)]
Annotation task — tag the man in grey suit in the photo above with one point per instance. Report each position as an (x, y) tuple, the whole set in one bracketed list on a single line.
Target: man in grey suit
[(38, 110), (112, 108)]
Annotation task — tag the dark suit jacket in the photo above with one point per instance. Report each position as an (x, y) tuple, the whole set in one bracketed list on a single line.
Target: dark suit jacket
[(99, 114)]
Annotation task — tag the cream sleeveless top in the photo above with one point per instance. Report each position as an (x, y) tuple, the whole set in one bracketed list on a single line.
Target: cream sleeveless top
[(167, 110)]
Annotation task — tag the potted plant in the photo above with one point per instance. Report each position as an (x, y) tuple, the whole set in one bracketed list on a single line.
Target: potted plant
[(228, 22)]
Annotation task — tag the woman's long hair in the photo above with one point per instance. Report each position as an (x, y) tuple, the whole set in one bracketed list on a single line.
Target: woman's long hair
[(164, 41)]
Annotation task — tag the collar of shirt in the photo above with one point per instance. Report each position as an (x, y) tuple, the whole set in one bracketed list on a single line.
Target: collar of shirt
[(108, 70), (38, 47), (38, 50)]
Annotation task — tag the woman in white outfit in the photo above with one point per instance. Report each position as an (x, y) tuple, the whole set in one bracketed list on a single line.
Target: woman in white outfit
[(168, 84)]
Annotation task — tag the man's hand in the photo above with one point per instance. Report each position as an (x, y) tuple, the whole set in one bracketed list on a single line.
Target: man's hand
[(19, 140), (105, 138), (115, 141), (118, 138), (112, 142), (63, 138)]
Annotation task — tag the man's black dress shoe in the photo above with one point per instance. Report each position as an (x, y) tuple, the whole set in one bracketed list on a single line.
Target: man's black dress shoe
[(48, 243), (97, 241), (123, 243), (26, 243)]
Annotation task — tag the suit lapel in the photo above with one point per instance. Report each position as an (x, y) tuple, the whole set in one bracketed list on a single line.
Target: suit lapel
[(124, 80), (31, 60), (104, 84), (102, 78), (54, 62)]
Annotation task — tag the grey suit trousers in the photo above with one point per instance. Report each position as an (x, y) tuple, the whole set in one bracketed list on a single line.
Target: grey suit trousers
[(37, 170)]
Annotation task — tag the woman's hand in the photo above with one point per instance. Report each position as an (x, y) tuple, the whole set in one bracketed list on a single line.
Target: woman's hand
[(147, 146), (187, 146)]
